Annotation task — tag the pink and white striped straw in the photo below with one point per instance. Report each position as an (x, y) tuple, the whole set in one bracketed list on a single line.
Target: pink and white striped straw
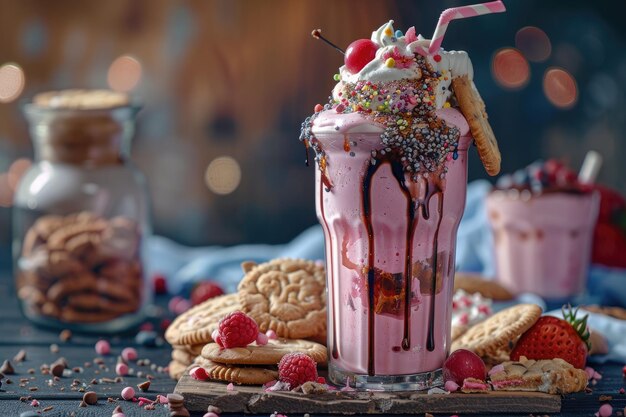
[(461, 13)]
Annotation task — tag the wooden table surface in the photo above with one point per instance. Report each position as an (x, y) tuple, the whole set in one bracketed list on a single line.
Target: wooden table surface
[(16, 334)]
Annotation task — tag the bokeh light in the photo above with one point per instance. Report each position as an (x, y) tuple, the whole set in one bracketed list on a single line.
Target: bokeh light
[(6, 194), (17, 170), (560, 88), (510, 69), (12, 81), (533, 43), (124, 73), (223, 175)]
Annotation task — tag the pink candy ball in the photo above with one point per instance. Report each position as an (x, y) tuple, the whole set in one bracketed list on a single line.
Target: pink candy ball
[(605, 410), (103, 347), (211, 415), (261, 339), (178, 305), (271, 334), (451, 386), (128, 393), (121, 369), (129, 354)]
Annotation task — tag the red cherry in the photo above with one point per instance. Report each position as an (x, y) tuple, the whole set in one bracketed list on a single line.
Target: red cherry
[(205, 290), (463, 364), (359, 54)]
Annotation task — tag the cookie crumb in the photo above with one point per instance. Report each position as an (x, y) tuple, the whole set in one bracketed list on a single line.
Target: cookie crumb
[(144, 386), (65, 335)]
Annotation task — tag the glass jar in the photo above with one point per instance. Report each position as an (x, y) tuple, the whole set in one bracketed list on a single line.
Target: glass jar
[(81, 215)]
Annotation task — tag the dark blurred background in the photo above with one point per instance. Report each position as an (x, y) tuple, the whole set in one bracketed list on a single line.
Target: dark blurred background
[(226, 83)]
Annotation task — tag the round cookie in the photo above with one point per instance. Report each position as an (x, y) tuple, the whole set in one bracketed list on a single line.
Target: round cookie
[(473, 108), (287, 296), (195, 326), (181, 356), (492, 338), (269, 354), (176, 369), (474, 283), (246, 375)]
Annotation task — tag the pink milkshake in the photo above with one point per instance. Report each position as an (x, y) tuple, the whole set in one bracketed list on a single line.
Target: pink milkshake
[(543, 221), (391, 149)]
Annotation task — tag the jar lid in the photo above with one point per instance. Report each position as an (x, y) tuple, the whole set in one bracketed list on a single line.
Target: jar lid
[(81, 99)]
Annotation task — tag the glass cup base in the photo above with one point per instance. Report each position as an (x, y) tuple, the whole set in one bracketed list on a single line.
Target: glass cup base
[(410, 382), (118, 325)]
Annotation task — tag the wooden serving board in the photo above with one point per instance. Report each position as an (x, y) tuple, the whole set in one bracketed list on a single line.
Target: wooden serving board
[(253, 399)]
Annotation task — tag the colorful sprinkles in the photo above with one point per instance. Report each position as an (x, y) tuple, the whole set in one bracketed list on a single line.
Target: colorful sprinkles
[(413, 132)]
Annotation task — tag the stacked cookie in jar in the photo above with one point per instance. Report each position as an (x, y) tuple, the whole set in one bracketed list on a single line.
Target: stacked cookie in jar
[(81, 214)]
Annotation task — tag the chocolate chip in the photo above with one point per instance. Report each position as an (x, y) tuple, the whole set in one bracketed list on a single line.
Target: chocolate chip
[(144, 386), (90, 398), (57, 369), (20, 356), (7, 368)]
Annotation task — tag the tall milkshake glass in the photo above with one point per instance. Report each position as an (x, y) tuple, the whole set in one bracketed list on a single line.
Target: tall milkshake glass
[(380, 228), (391, 152)]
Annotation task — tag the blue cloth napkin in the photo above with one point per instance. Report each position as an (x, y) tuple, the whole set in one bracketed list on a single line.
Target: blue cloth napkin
[(184, 266)]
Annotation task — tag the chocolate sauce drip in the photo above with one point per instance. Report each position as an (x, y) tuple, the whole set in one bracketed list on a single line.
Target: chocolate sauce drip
[(398, 173), (306, 151), (367, 217), (430, 341), (330, 279)]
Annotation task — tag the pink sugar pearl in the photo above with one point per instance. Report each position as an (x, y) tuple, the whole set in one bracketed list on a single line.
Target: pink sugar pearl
[(262, 339), (129, 354), (605, 410), (103, 347), (128, 393), (451, 386), (211, 415), (271, 334), (121, 369)]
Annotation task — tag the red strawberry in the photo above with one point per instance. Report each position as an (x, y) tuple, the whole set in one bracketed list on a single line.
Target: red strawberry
[(611, 203), (609, 246), (552, 337)]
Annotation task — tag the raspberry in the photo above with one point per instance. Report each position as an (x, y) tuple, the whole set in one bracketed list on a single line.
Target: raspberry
[(204, 291), (297, 368), (237, 329)]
